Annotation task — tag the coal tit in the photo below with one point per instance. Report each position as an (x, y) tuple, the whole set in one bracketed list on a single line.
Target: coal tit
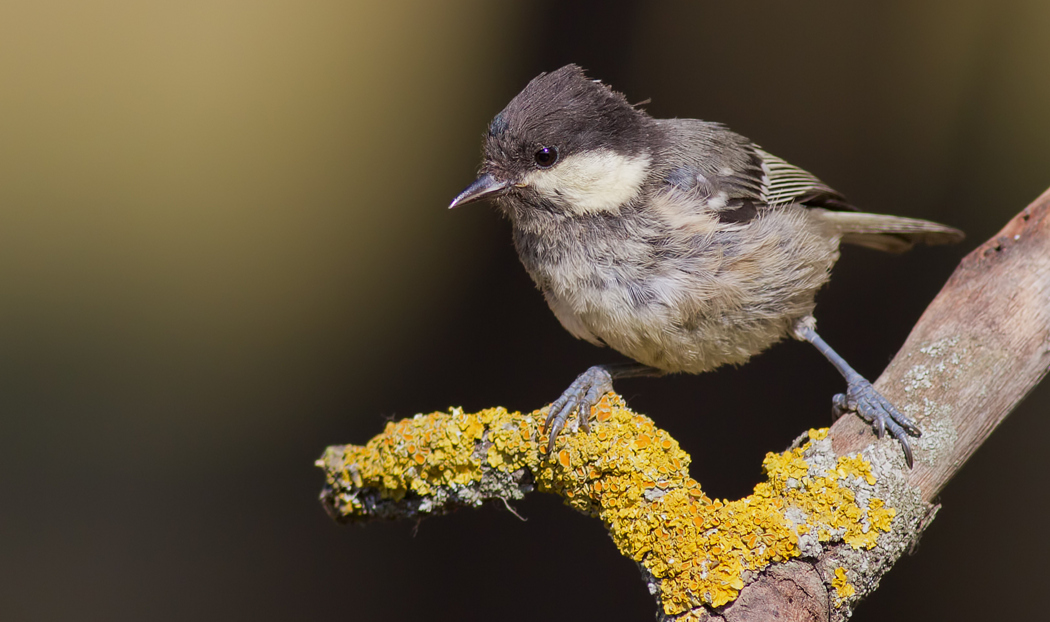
[(676, 242)]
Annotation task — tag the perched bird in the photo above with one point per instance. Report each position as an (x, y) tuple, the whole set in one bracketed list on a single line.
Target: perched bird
[(676, 242)]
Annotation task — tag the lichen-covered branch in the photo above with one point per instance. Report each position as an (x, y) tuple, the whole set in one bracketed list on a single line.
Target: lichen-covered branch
[(631, 475), (834, 513)]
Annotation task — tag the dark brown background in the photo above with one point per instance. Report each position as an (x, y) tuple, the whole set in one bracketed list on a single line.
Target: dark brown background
[(224, 245)]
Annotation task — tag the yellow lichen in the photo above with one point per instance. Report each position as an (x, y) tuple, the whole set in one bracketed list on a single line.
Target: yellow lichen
[(634, 477), (843, 588), (420, 453)]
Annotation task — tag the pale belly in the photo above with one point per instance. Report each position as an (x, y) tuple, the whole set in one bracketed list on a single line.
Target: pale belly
[(703, 309)]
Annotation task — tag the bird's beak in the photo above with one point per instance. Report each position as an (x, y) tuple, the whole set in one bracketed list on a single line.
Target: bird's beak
[(485, 185)]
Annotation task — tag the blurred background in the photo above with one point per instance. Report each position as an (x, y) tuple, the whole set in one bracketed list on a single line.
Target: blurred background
[(224, 246)]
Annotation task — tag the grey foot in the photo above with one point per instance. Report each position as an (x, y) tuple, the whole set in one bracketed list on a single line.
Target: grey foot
[(863, 399), (584, 392)]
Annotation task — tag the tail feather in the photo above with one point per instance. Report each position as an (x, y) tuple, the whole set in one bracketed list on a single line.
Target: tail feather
[(894, 234)]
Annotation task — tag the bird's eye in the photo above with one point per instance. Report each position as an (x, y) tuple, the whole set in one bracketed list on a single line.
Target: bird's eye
[(546, 157)]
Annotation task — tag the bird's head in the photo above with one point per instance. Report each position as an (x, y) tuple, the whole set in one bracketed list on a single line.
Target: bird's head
[(565, 143)]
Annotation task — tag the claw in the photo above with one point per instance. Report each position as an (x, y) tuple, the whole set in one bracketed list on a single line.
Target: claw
[(880, 428), (871, 406), (582, 394)]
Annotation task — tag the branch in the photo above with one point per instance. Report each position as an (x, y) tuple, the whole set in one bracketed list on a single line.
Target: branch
[(835, 512)]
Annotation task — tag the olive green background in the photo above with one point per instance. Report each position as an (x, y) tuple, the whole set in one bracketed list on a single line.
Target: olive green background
[(224, 245)]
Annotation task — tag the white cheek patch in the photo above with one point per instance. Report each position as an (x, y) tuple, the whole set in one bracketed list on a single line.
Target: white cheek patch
[(591, 182)]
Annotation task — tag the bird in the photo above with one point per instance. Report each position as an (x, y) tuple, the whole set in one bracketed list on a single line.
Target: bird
[(676, 242)]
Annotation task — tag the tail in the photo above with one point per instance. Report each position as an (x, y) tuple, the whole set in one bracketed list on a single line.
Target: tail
[(893, 234)]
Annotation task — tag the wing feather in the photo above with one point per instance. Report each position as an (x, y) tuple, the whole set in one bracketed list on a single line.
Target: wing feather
[(787, 183), (712, 171)]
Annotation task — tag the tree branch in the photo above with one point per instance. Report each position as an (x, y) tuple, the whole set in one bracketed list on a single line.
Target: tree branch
[(835, 512)]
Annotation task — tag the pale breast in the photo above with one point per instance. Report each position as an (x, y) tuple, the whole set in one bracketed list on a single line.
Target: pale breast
[(686, 300)]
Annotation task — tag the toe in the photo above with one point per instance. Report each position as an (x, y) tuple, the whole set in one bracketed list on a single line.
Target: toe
[(552, 412), (556, 423), (839, 406), (896, 416)]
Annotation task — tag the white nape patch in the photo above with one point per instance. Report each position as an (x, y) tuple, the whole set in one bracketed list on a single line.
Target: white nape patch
[(591, 182)]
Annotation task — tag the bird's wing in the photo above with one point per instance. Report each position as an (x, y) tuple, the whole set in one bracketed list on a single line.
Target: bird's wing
[(714, 176), (726, 174), (785, 183)]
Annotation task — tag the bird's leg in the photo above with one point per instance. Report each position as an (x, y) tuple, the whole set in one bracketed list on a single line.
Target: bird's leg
[(585, 391), (860, 396)]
